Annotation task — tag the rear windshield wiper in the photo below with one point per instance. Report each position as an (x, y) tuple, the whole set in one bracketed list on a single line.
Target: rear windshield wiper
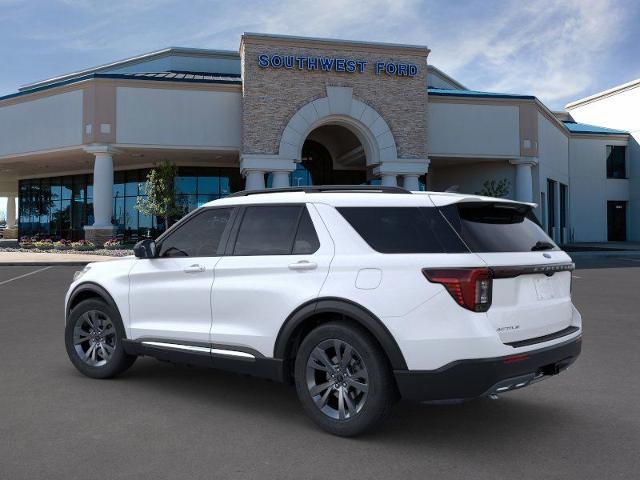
[(542, 246)]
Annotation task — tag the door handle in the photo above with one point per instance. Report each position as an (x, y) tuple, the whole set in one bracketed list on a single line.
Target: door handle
[(195, 268), (303, 265)]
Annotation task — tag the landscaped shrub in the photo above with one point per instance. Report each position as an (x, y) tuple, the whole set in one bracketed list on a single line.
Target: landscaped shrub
[(26, 242), (46, 244), (83, 245), (62, 245), (113, 244)]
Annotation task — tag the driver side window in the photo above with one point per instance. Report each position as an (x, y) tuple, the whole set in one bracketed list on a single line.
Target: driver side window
[(199, 236)]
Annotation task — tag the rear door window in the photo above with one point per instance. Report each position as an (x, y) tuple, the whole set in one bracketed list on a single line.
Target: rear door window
[(404, 229), (498, 227)]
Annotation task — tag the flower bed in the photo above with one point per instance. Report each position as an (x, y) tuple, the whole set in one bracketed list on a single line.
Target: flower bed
[(83, 246), (62, 245), (112, 248), (113, 244)]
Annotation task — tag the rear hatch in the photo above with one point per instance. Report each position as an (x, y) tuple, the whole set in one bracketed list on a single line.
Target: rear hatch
[(531, 291)]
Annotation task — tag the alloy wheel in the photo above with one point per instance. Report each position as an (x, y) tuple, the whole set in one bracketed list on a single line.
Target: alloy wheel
[(337, 379), (94, 338)]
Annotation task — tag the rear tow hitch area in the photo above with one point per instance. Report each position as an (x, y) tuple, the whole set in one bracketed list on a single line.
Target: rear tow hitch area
[(515, 383)]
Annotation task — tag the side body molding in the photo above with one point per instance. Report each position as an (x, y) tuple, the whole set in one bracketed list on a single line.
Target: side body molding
[(339, 306)]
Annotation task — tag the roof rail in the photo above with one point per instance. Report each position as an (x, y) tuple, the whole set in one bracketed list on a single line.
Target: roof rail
[(324, 188)]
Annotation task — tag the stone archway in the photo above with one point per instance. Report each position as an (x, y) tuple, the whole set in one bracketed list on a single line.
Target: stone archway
[(340, 108)]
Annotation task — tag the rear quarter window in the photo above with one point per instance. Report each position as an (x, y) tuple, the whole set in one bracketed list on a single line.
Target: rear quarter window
[(487, 227), (403, 229)]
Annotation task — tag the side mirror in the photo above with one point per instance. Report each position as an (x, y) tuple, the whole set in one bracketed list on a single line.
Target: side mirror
[(145, 249)]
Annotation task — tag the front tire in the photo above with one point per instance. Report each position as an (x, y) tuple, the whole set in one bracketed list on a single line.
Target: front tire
[(93, 339), (343, 379)]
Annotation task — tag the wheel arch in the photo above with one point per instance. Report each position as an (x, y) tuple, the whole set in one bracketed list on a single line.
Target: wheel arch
[(88, 290), (321, 310)]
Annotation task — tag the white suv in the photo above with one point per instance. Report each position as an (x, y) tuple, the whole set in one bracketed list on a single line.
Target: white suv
[(355, 294)]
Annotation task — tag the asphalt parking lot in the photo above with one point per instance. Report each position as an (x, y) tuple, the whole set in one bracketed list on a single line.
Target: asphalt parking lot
[(165, 421)]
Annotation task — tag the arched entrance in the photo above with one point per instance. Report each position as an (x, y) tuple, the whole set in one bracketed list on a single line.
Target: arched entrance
[(331, 155), (337, 139)]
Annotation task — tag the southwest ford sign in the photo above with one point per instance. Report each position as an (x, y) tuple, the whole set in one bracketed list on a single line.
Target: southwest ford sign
[(334, 64)]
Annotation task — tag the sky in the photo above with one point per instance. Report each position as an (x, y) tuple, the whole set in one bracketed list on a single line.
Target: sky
[(557, 50)]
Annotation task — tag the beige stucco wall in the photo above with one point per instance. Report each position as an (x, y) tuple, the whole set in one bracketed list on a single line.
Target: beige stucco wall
[(468, 129), (470, 176), (178, 117), (54, 121), (271, 96)]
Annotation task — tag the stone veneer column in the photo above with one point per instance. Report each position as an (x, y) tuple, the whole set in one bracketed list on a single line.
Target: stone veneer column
[(102, 228)]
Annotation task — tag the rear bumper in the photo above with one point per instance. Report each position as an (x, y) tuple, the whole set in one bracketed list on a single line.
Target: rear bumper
[(467, 379)]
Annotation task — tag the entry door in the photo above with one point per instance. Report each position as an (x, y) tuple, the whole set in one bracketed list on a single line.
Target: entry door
[(278, 258), (617, 221), (170, 296)]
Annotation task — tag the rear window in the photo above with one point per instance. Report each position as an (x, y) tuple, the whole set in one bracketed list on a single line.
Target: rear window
[(403, 229), (498, 227)]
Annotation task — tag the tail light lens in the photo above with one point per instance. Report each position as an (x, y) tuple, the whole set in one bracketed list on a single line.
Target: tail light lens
[(469, 287)]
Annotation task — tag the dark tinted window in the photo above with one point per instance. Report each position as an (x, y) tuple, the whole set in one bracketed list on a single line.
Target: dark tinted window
[(199, 236), (403, 229), (306, 238), (616, 161), (498, 227), (267, 230)]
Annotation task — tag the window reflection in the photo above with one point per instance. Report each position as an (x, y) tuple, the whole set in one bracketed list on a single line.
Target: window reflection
[(59, 207)]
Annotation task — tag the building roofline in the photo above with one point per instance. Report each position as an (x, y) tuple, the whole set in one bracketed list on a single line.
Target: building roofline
[(588, 129), (447, 77), (115, 76), (417, 49), (445, 92), (132, 61), (605, 93)]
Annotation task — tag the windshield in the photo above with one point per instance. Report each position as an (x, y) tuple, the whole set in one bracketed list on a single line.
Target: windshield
[(498, 227)]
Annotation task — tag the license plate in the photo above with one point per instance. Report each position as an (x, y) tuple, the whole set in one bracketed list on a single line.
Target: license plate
[(544, 288)]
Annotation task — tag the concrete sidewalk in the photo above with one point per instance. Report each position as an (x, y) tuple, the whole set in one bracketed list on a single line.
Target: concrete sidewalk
[(32, 258)]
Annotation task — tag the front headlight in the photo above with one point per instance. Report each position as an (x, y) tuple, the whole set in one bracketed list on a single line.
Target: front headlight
[(80, 273)]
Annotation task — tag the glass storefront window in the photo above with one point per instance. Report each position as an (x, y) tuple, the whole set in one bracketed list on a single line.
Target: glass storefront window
[(209, 185), (60, 207), (186, 184)]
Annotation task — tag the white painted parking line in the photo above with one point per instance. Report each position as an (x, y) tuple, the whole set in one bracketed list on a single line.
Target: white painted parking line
[(25, 275)]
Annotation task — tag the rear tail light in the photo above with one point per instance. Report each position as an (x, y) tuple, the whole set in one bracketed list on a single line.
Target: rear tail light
[(469, 287)]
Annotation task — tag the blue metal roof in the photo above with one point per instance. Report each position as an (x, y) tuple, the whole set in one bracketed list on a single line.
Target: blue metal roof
[(185, 77), (585, 128), (445, 92)]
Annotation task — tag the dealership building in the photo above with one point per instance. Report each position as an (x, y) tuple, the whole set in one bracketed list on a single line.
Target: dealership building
[(75, 150)]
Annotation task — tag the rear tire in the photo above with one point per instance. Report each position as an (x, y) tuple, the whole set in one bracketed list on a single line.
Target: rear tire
[(343, 379), (93, 339)]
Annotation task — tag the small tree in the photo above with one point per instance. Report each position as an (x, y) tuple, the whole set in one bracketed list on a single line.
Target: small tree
[(491, 188), (160, 200)]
